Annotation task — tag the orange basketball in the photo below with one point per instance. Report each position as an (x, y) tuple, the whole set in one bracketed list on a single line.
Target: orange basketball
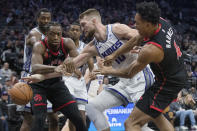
[(21, 93)]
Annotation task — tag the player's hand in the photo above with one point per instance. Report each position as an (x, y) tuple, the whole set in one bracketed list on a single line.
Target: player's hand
[(66, 68), (69, 65), (104, 70), (92, 75), (78, 73), (34, 78), (136, 49), (62, 69), (109, 59)]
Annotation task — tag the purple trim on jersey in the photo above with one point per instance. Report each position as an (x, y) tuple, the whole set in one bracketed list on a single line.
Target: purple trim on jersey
[(97, 48), (145, 80), (114, 33), (119, 94), (150, 75), (81, 99)]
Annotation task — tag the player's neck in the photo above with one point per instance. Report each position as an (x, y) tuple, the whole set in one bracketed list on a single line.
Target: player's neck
[(42, 30), (76, 43), (52, 47), (101, 32), (154, 30)]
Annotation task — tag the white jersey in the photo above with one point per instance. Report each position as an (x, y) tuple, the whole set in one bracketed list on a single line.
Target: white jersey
[(109, 46), (81, 46), (28, 54), (129, 90)]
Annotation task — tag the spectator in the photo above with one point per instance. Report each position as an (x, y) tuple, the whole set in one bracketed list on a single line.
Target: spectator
[(5, 72), (181, 110), (4, 111)]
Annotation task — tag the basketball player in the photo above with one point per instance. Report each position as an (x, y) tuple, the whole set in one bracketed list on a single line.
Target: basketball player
[(106, 40), (77, 87), (161, 50), (36, 34), (50, 52)]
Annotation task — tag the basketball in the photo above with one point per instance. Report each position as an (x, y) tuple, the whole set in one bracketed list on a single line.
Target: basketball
[(21, 93)]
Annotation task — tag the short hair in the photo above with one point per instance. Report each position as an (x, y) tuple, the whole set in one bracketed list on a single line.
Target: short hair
[(149, 11), (75, 23), (42, 10), (90, 12), (53, 23)]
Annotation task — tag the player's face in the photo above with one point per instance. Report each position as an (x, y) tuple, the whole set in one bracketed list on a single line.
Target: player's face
[(44, 19), (87, 27), (54, 35), (141, 26), (74, 32)]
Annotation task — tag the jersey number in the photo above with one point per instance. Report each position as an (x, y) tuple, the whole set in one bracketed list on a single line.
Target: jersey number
[(120, 59), (178, 51)]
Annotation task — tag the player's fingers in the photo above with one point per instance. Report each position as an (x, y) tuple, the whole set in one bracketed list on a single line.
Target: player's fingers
[(96, 72)]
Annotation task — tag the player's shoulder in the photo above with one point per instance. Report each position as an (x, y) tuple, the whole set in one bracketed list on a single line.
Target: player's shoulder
[(39, 44), (68, 43), (119, 26), (34, 32), (67, 40), (39, 47)]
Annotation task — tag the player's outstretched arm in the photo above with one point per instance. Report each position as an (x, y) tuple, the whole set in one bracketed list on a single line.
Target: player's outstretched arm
[(88, 52), (148, 54)]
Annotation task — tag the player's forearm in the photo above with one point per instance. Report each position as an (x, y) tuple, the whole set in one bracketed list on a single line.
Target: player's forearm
[(52, 75), (127, 72), (42, 69), (81, 59), (91, 64), (128, 46), (118, 72)]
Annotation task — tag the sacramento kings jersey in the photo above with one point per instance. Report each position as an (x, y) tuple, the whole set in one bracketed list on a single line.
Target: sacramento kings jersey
[(109, 46), (171, 68), (81, 46), (28, 53), (54, 58)]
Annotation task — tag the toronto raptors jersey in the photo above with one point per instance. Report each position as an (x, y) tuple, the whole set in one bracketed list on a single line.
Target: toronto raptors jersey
[(171, 68), (54, 58)]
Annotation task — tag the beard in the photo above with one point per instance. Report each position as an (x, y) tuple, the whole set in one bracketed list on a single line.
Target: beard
[(90, 34), (43, 28)]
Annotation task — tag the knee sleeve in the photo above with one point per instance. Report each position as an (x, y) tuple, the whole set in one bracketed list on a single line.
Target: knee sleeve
[(97, 117)]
